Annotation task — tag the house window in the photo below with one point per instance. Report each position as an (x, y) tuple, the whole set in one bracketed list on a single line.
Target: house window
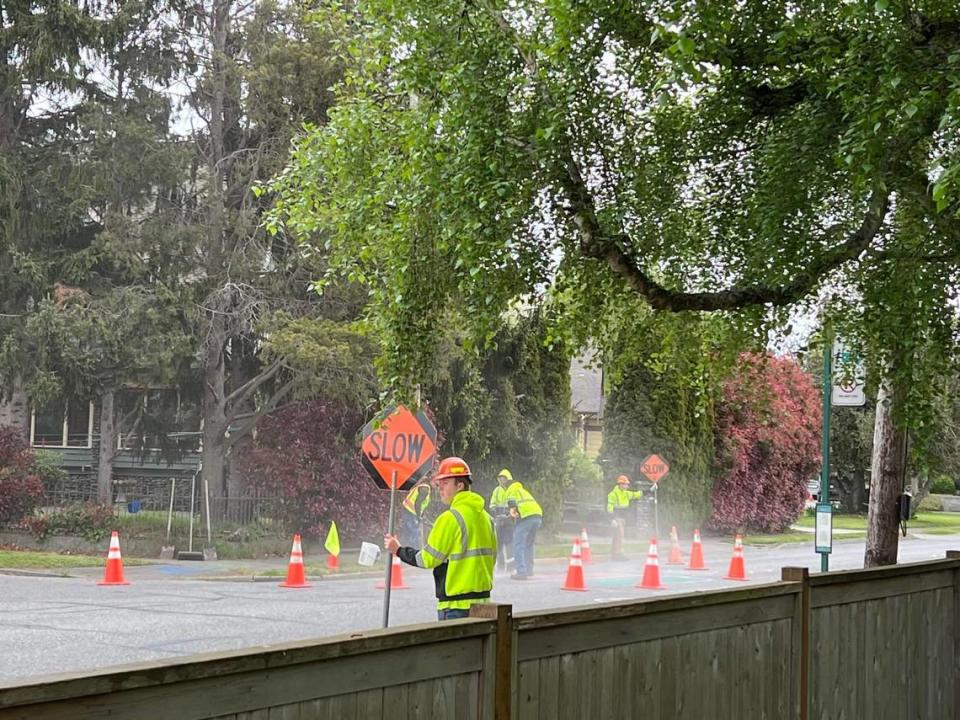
[(157, 419), (60, 424)]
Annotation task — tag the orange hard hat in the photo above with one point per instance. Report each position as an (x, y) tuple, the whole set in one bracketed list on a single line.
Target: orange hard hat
[(452, 467), (623, 480)]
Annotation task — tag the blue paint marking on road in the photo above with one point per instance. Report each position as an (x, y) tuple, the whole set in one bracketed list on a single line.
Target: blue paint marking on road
[(179, 569)]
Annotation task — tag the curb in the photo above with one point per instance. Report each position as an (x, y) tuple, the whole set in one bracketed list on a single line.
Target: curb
[(35, 573)]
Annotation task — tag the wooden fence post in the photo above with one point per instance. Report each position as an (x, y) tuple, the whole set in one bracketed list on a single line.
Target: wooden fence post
[(501, 656), (801, 639), (955, 555)]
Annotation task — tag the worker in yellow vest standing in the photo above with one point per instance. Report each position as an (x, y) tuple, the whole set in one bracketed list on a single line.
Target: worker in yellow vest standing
[(462, 546), (529, 517), (618, 505), (412, 513), (503, 521)]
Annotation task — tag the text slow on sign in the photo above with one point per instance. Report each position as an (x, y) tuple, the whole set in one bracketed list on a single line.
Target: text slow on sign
[(398, 441)]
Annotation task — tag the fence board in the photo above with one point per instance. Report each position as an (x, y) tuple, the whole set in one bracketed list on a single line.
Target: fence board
[(857, 591), (549, 688), (887, 656), (560, 639), (234, 693)]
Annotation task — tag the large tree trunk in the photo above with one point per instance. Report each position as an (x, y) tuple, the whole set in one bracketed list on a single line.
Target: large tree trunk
[(15, 409), (214, 416), (107, 449), (886, 482)]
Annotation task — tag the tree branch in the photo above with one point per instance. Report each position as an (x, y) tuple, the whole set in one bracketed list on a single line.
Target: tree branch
[(594, 243), (268, 407), (243, 393)]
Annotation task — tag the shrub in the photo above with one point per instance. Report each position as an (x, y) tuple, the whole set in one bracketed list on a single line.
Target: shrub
[(308, 454), (583, 476), (768, 443), (87, 520), (943, 485), (21, 490)]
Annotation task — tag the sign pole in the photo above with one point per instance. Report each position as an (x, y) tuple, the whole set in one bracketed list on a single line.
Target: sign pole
[(390, 528), (656, 513), (823, 507)]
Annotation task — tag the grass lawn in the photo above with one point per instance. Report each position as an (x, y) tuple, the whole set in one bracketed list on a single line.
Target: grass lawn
[(31, 560), (935, 523), (789, 537)]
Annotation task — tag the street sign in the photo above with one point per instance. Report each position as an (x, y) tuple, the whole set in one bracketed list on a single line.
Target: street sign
[(654, 467), (824, 528), (848, 377), (398, 442)]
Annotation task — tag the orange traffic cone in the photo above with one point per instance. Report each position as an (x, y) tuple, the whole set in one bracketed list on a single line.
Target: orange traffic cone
[(295, 575), (585, 553), (113, 572), (396, 576), (737, 570), (676, 555), (651, 571), (574, 579), (696, 553)]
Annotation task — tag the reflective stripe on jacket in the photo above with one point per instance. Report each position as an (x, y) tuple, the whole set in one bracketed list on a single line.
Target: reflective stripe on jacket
[(519, 497), (461, 550), (618, 499)]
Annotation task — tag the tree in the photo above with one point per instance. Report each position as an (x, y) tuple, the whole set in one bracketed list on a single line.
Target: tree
[(259, 72), (507, 406), (89, 245), (662, 400), (768, 432), (729, 157)]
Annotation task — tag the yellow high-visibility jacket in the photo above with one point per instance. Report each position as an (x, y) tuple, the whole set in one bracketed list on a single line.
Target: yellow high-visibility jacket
[(461, 551), (519, 497), (619, 499), (417, 499), (498, 498)]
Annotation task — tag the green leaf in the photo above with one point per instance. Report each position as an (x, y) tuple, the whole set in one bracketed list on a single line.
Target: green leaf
[(686, 45)]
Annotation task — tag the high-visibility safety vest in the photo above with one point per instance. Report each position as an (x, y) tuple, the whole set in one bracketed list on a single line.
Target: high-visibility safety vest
[(461, 551), (518, 496), (498, 498), (618, 499), (417, 499)]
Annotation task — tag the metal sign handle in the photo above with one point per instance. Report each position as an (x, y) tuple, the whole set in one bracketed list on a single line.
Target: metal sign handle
[(390, 529)]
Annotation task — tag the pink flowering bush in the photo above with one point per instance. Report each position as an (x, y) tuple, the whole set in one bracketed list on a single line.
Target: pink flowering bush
[(768, 433)]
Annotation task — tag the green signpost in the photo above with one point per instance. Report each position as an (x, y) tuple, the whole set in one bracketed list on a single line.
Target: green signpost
[(824, 509)]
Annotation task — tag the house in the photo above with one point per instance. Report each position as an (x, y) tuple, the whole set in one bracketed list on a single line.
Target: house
[(586, 398), (156, 440)]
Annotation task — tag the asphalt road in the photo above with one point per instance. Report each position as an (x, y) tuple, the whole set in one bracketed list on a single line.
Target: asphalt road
[(56, 625)]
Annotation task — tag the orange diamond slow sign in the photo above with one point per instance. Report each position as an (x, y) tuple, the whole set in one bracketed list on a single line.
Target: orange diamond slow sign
[(654, 467), (398, 441)]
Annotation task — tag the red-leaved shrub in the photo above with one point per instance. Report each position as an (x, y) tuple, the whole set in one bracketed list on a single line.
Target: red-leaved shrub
[(21, 490), (308, 454), (767, 445)]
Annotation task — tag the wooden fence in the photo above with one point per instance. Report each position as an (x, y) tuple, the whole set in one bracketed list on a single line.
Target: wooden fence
[(879, 644)]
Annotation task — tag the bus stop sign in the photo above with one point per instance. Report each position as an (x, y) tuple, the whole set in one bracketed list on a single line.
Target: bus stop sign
[(401, 441)]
